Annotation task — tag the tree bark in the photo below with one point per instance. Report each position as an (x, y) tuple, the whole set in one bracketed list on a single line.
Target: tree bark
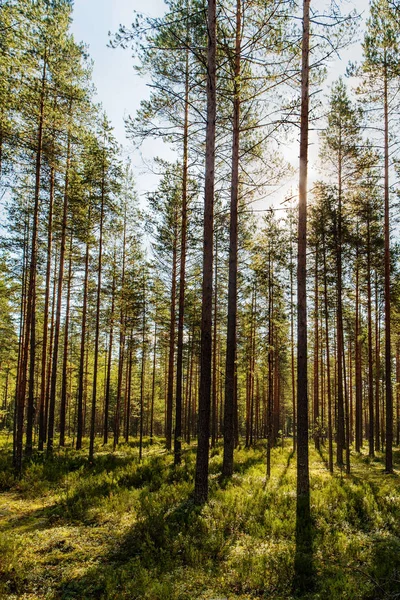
[(202, 459), (229, 407), (388, 349), (57, 326), (182, 274), (64, 378), (43, 379)]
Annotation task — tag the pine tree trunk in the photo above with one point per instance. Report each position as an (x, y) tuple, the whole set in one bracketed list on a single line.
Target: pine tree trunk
[(377, 368), (370, 354), (81, 378), (358, 366), (270, 368), (121, 344), (142, 375), (153, 382), (229, 407), (339, 327), (294, 426), (388, 349), (109, 362), (97, 326), (303, 568), (170, 389), (64, 380), (57, 326), (129, 392), (214, 392), (43, 379), (29, 347), (316, 358), (202, 459), (182, 275)]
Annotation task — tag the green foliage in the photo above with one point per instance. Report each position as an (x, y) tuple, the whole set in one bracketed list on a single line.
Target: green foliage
[(120, 529)]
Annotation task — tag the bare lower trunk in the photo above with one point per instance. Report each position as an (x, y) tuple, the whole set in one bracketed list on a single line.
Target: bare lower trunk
[(201, 477)]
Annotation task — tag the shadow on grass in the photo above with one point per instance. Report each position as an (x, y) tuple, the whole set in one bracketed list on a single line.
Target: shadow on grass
[(162, 540), (304, 573), (286, 468)]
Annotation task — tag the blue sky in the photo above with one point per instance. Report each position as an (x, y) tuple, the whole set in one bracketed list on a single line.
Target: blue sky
[(120, 89)]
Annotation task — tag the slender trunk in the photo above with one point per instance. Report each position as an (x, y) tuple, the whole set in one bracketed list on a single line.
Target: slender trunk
[(97, 326), (153, 383), (190, 394), (377, 368), (229, 408), (370, 355), (43, 379), (21, 337), (202, 459), (51, 343), (303, 483), (182, 274), (317, 424), (109, 362), (303, 578), (170, 389), (142, 373), (292, 362), (81, 381), (129, 392), (64, 379), (339, 325), (121, 344), (270, 367), (388, 349), (398, 393), (214, 392), (358, 360), (57, 326)]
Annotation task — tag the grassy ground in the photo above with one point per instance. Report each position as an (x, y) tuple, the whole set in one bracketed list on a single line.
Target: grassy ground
[(119, 530)]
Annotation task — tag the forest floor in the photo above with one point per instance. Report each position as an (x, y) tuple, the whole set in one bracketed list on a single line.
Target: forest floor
[(119, 530)]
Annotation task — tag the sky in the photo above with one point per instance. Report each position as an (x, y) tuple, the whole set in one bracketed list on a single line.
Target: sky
[(120, 89)]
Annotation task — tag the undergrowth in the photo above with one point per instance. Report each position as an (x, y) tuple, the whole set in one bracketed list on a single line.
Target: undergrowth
[(117, 529)]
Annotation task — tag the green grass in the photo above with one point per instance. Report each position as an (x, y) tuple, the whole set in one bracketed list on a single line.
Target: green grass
[(120, 530)]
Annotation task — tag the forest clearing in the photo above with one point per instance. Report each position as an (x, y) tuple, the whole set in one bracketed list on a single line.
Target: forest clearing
[(200, 316)]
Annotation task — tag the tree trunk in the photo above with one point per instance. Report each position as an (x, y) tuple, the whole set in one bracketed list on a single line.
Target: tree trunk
[(29, 346), (109, 362), (121, 344), (303, 566), (153, 383), (142, 373), (316, 358), (64, 380), (182, 274), (370, 355), (57, 326), (170, 389), (358, 366), (201, 477), (81, 378), (43, 379), (229, 407), (97, 326), (388, 349)]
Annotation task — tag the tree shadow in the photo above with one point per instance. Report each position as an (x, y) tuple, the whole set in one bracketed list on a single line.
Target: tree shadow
[(304, 575), (150, 545), (286, 468)]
